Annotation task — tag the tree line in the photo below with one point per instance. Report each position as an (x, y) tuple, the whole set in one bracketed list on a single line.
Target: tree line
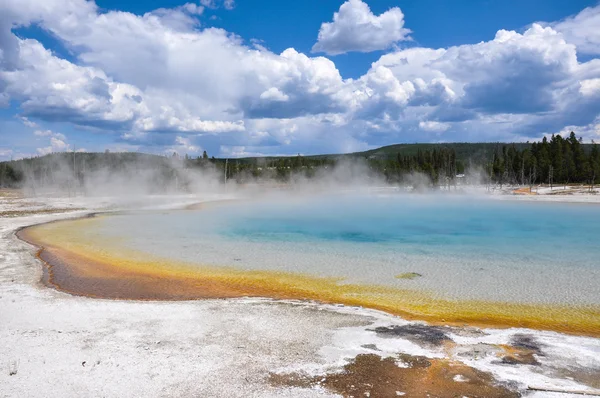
[(555, 161)]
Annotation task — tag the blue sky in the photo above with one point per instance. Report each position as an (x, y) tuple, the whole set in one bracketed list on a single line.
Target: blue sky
[(241, 78)]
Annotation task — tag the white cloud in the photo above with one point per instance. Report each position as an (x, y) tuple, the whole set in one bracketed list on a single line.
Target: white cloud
[(189, 124), (56, 145), (213, 4), (433, 126), (591, 131), (28, 122), (182, 146), (229, 4), (274, 94), (52, 88), (42, 133), (207, 86), (240, 151), (193, 8), (590, 87), (49, 133), (356, 28), (58, 142), (514, 73), (212, 87), (582, 30)]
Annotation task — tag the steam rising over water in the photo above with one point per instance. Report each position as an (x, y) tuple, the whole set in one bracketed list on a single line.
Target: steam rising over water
[(464, 247)]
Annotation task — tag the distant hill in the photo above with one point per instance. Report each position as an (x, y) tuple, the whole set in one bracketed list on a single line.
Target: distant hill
[(476, 152), (480, 152), (439, 159)]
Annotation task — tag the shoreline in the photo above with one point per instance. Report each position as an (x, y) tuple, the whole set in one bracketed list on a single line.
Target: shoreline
[(81, 271), (46, 267)]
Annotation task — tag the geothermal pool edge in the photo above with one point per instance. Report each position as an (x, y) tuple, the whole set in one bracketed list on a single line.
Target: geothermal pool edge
[(132, 279)]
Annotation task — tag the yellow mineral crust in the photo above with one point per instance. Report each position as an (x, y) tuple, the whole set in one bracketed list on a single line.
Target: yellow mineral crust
[(91, 265)]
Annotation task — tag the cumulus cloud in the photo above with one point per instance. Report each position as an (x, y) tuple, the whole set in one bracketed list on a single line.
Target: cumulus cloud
[(42, 133), (180, 18), (430, 125), (193, 8), (203, 87), (58, 142), (177, 78), (515, 73), (209, 3), (54, 89), (28, 122), (535, 74), (591, 130), (582, 30), (356, 28), (227, 4), (590, 87), (49, 133), (274, 94), (183, 146)]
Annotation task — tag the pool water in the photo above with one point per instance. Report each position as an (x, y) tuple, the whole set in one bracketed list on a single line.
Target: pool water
[(461, 247)]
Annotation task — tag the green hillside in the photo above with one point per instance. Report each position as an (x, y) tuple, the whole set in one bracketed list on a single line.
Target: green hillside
[(476, 152), (559, 159)]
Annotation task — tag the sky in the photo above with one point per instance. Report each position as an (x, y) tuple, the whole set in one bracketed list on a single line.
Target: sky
[(269, 77)]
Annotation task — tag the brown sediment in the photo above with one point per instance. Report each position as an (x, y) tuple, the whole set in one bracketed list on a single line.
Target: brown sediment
[(369, 375), (95, 266), (524, 191), (23, 213), (212, 203), (408, 275), (522, 350), (511, 355), (11, 193)]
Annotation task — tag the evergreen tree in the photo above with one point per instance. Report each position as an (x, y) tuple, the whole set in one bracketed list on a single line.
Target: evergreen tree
[(595, 164), (556, 156)]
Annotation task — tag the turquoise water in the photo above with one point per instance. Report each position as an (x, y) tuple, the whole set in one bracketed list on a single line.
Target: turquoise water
[(562, 234), (465, 247)]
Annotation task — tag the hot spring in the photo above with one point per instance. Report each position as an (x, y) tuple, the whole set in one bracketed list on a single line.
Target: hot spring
[(445, 257)]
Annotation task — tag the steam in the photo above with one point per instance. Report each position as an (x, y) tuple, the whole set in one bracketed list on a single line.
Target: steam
[(120, 174), (134, 174)]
